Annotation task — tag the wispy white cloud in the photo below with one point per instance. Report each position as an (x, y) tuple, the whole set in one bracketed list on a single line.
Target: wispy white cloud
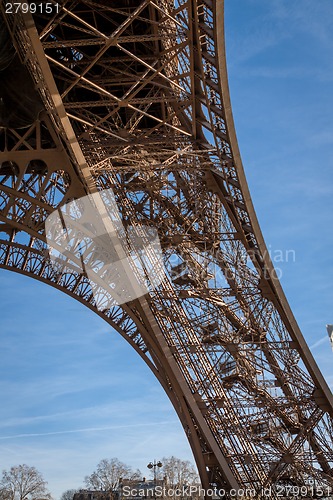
[(135, 425), (287, 71), (323, 340), (315, 18), (277, 25), (130, 409)]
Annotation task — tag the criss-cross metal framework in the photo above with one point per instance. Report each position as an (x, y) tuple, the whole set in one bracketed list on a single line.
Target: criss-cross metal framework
[(133, 95)]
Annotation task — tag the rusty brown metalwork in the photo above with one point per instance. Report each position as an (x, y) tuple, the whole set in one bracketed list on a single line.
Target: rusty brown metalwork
[(135, 98)]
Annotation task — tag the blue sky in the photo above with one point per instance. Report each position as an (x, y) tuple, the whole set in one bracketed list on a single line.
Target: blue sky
[(72, 391)]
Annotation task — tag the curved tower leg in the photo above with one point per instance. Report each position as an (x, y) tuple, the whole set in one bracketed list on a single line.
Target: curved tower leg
[(135, 99)]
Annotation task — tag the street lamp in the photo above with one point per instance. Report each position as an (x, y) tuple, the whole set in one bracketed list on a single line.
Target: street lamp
[(153, 465)]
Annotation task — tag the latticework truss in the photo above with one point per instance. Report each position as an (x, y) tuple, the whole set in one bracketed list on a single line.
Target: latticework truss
[(134, 97)]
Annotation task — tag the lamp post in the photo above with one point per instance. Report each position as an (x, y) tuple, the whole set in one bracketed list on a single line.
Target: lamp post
[(153, 465)]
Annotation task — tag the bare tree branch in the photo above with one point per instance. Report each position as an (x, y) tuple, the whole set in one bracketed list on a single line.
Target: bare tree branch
[(108, 473), (22, 482)]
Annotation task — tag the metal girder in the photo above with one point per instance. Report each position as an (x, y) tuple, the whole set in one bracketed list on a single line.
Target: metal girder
[(136, 99)]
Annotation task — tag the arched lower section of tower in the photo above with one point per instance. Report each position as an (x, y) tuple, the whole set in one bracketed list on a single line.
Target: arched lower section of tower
[(132, 96)]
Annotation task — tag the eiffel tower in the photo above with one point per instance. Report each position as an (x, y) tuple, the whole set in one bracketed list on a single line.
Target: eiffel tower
[(132, 95)]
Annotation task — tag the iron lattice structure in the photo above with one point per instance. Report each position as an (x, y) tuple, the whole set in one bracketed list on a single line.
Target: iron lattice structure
[(133, 95)]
